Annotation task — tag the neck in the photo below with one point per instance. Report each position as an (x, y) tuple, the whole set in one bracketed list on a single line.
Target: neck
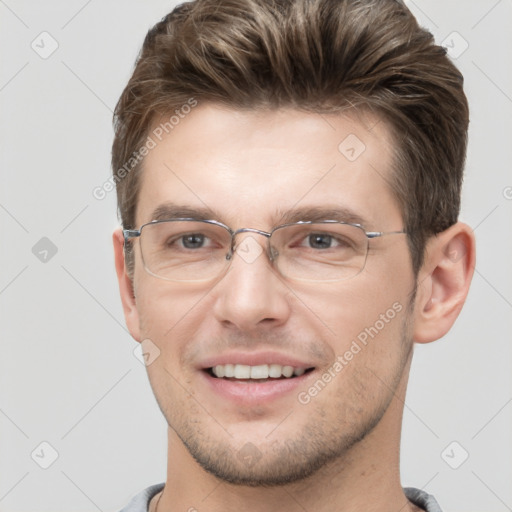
[(367, 477)]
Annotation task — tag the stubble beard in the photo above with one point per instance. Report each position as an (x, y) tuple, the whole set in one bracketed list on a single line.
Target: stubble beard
[(322, 440)]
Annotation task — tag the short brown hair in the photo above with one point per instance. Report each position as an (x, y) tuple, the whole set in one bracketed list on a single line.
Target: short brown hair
[(316, 56)]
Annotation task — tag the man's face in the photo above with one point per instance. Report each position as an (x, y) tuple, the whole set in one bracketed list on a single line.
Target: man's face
[(352, 336)]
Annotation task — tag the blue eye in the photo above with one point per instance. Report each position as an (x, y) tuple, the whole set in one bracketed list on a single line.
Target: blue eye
[(193, 241), (320, 241)]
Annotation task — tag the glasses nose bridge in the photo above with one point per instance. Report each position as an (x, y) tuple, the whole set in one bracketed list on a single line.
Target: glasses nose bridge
[(251, 230), (234, 234)]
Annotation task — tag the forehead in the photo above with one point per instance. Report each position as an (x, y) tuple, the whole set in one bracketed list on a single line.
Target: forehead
[(251, 167)]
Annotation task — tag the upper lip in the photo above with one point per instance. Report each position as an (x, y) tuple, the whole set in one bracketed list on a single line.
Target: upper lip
[(255, 359)]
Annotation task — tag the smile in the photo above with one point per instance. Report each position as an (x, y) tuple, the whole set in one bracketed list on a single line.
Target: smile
[(259, 372)]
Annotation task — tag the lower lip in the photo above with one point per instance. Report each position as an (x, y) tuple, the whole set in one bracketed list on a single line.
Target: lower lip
[(254, 392)]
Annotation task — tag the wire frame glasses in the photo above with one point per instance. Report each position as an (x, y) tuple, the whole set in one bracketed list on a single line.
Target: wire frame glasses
[(187, 249)]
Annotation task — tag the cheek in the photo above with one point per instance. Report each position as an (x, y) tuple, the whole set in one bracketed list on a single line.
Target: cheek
[(171, 314), (366, 336), (343, 312)]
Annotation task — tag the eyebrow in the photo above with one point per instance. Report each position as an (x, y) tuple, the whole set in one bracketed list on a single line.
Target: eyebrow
[(169, 211), (317, 213)]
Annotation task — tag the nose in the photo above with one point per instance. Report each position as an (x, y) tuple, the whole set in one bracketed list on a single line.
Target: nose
[(251, 294)]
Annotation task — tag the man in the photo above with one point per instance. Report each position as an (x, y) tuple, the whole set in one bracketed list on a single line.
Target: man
[(288, 176)]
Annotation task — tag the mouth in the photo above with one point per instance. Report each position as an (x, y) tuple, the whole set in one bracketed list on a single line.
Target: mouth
[(255, 378), (260, 373)]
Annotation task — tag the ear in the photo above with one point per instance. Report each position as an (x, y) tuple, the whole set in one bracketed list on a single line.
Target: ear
[(443, 282), (126, 289)]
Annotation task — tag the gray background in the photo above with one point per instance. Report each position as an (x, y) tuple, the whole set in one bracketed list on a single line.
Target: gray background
[(68, 374)]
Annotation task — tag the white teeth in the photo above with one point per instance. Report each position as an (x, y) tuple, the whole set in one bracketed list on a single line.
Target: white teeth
[(229, 370), (261, 371), (219, 371), (242, 371), (287, 371), (275, 371)]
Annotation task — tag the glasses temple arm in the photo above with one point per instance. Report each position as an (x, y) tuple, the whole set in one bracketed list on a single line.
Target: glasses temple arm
[(376, 234)]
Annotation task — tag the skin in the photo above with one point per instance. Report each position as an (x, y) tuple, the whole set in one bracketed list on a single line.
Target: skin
[(341, 450)]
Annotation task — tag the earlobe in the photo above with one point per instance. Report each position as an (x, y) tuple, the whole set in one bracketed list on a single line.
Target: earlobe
[(126, 290), (443, 282)]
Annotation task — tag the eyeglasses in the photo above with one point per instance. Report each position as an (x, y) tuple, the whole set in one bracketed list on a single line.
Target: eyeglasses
[(187, 249)]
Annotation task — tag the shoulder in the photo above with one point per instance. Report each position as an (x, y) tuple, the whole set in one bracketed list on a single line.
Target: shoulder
[(423, 500), (140, 502)]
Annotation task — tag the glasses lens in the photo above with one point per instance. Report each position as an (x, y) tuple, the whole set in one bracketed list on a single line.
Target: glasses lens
[(320, 251), (184, 250)]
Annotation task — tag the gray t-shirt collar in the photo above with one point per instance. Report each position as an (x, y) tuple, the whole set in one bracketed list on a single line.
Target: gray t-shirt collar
[(140, 502)]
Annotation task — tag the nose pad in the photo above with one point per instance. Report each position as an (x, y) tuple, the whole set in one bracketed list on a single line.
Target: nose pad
[(232, 249), (273, 253)]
